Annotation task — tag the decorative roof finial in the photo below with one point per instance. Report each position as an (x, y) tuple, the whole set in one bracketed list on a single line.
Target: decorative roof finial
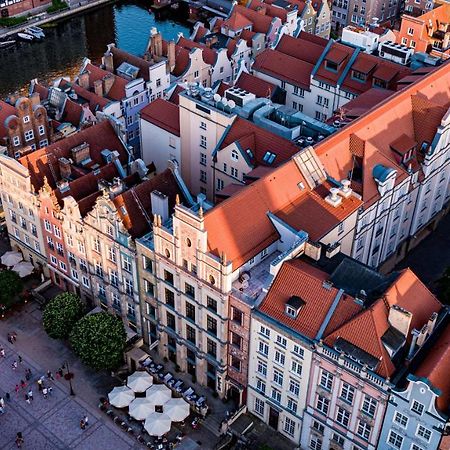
[(200, 212), (177, 199)]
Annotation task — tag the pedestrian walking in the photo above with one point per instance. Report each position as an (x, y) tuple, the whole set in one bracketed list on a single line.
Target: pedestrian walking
[(17, 388), (59, 373), (10, 338), (23, 385), (20, 359), (19, 439), (2, 409), (50, 375), (14, 336), (40, 384), (7, 396), (2, 402), (45, 392), (82, 424), (50, 390), (30, 394), (27, 399), (86, 420), (14, 365), (28, 374), (2, 352)]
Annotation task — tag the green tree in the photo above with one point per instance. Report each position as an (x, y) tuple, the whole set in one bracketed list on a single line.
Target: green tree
[(444, 287), (99, 340), (61, 314), (10, 286)]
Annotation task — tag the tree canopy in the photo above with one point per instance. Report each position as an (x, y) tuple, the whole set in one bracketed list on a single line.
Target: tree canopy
[(10, 286), (61, 313), (99, 340)]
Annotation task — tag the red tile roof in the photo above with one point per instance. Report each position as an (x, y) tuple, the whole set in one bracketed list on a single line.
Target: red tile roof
[(95, 101), (72, 112), (261, 23), (436, 368), (163, 114), (366, 329), (99, 137), (117, 91), (121, 56), (6, 110), (299, 48), (257, 86), (259, 141), (181, 58), (248, 36), (41, 90), (298, 278), (209, 55), (313, 38), (236, 22), (311, 213), (284, 67), (239, 226), (132, 203), (175, 96)]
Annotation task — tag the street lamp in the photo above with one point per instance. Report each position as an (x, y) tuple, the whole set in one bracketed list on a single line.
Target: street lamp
[(68, 376)]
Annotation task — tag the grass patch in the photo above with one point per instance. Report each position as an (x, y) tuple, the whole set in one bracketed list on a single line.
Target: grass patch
[(57, 5), (12, 21)]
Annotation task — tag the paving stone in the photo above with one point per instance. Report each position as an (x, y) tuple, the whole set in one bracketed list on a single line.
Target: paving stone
[(35, 440), (102, 437)]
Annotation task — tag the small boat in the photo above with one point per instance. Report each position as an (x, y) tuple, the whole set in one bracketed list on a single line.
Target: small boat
[(37, 32), (25, 37), (5, 44)]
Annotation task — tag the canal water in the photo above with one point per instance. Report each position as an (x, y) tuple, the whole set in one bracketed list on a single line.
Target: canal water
[(127, 23)]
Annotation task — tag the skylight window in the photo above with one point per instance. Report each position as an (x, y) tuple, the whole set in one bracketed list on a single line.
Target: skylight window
[(269, 157), (249, 153)]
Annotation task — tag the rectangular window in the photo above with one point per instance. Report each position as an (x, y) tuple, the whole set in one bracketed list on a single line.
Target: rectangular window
[(261, 367), (296, 367), (265, 331), (170, 321), (237, 316), (236, 363), (363, 430), (343, 416), (168, 277), (85, 281), (292, 405), (211, 304), (260, 385), (190, 334), (203, 142), (47, 225), (211, 325), (114, 278), (220, 184), (170, 298), (298, 351), (211, 347), (401, 419), (279, 358), (189, 290), (281, 341), (322, 404), (278, 377), (203, 159), (395, 439), (326, 380), (276, 395), (289, 426), (347, 393), (234, 172), (294, 387), (190, 311), (369, 406), (315, 443), (259, 406), (424, 433), (126, 263), (203, 176), (29, 135), (128, 287), (57, 231), (417, 407), (263, 348)]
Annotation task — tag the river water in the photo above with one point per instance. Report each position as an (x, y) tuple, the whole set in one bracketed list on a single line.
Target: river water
[(127, 23)]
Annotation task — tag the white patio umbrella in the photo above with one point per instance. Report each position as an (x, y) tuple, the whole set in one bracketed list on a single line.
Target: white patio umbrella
[(139, 381), (23, 268), (158, 394), (157, 424), (121, 396), (11, 258), (177, 409), (141, 408)]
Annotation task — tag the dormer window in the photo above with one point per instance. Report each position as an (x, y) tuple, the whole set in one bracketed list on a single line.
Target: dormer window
[(331, 65), (293, 306), (379, 83), (359, 76)]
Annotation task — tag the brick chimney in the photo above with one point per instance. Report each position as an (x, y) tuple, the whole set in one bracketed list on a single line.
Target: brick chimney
[(98, 87), (35, 99), (83, 80), (400, 319), (156, 44), (64, 168), (108, 60), (171, 55), (108, 81), (81, 153)]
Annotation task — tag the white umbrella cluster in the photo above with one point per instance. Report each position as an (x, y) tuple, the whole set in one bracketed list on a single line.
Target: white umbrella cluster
[(23, 268), (11, 258), (143, 408)]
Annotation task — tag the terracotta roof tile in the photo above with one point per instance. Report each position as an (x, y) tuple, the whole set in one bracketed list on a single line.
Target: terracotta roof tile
[(297, 278), (257, 86), (299, 48), (209, 54), (261, 23), (175, 96), (120, 56), (237, 22), (436, 368), (6, 110), (239, 226), (248, 36), (313, 38), (164, 114), (284, 67), (117, 91), (72, 112)]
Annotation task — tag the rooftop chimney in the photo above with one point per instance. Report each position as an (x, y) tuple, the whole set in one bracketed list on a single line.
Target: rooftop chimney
[(98, 87), (35, 99), (108, 60), (155, 43), (313, 250), (108, 81), (171, 59), (160, 205), (81, 153), (116, 187), (63, 186), (333, 198), (400, 319), (65, 168), (83, 80)]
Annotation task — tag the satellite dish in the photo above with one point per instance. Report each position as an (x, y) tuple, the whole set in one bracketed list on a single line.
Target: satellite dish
[(231, 103), (217, 97), (224, 101)]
